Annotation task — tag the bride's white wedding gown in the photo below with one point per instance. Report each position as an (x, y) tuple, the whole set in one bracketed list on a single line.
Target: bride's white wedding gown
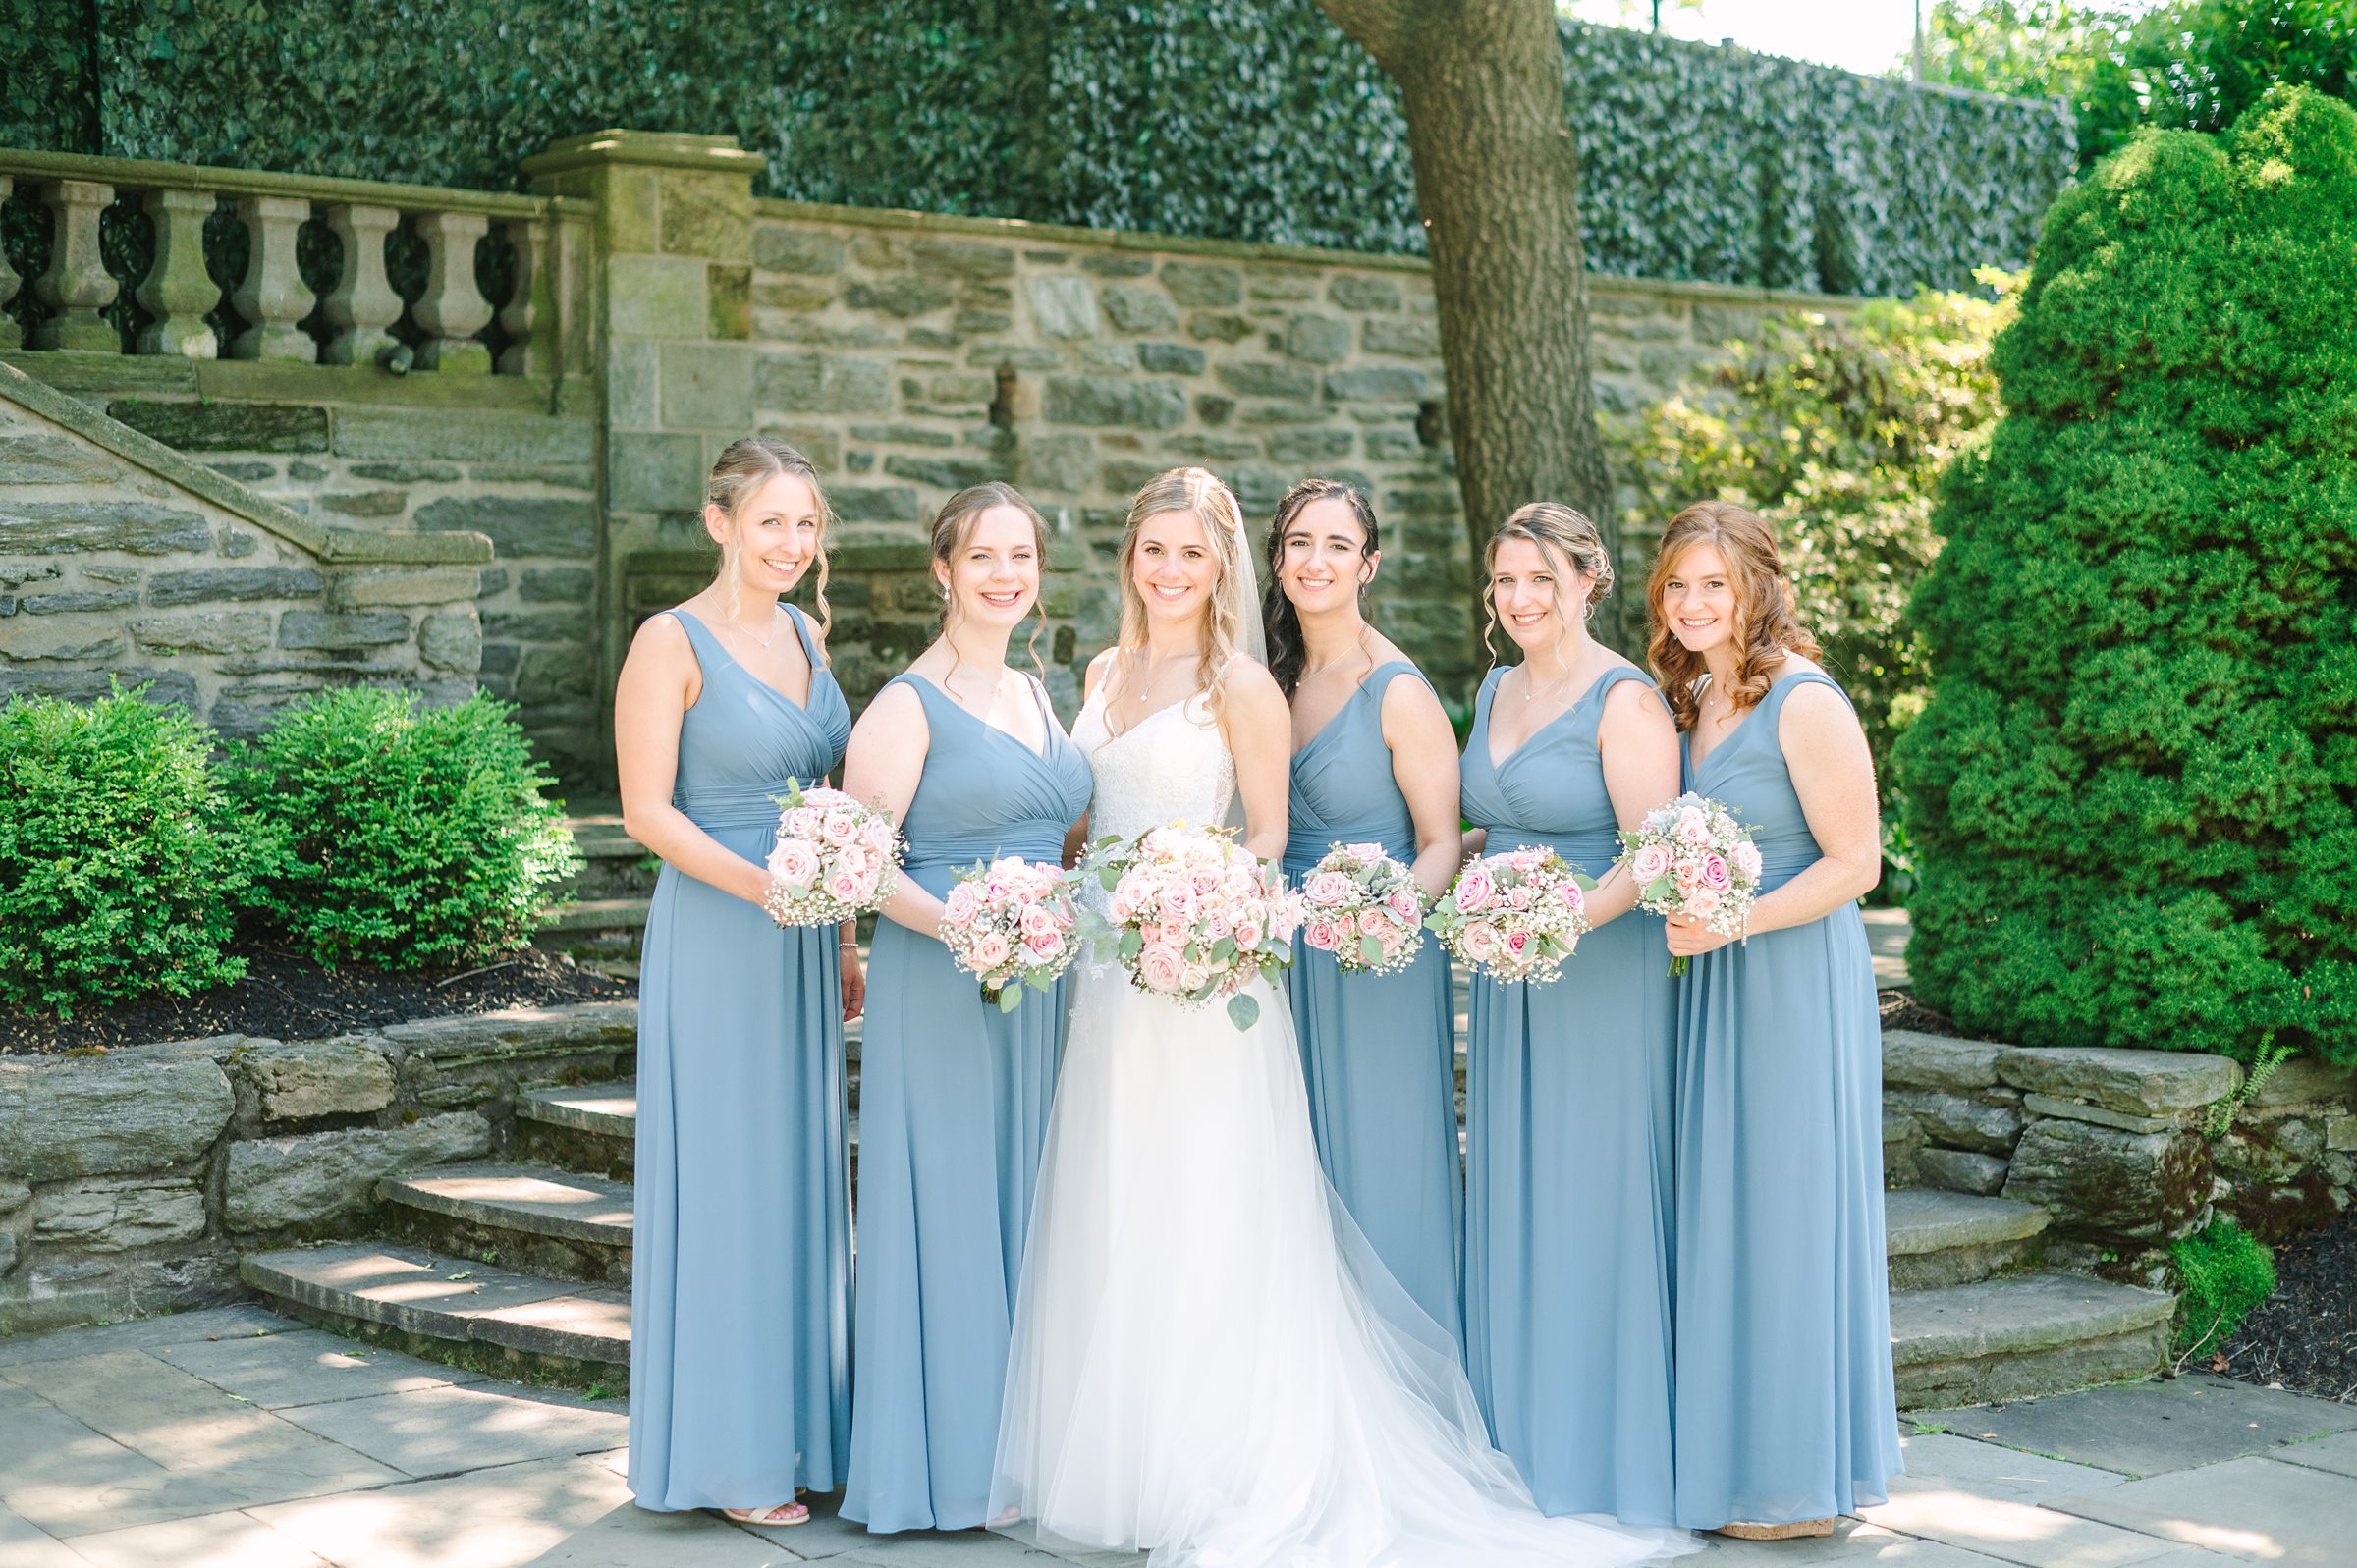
[(1208, 1362)]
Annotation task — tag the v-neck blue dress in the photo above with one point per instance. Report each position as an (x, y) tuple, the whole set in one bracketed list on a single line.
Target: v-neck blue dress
[(953, 1103), (1568, 1093), (1377, 1052), (1785, 1404), (741, 1277)]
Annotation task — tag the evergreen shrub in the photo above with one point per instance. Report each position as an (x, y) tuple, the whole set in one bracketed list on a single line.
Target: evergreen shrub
[(120, 872), (398, 835), (2221, 1271), (2134, 788)]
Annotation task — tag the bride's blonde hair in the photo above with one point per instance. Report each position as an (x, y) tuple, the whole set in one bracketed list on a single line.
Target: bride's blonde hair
[(1198, 493)]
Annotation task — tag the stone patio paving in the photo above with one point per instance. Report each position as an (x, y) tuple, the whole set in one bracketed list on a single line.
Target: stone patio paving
[(233, 1438)]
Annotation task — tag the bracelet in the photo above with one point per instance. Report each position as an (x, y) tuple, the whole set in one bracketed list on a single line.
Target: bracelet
[(847, 942)]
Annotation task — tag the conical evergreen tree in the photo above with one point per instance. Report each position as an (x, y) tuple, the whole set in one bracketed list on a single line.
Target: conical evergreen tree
[(2134, 789)]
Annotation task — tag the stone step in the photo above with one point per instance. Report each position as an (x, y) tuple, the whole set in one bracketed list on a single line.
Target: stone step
[(1939, 1239), (2022, 1335), (595, 915), (591, 1128), (467, 1314), (614, 864), (543, 1222)]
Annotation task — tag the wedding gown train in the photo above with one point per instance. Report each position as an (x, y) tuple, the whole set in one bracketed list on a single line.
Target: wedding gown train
[(1209, 1363)]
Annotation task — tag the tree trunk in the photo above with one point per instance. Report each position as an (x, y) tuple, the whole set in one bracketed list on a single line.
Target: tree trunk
[(1497, 179)]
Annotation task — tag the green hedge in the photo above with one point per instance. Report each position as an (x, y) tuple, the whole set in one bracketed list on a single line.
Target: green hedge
[(2134, 789), (1240, 119)]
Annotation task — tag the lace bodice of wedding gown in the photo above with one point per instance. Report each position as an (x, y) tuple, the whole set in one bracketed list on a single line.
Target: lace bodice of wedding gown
[(1170, 766)]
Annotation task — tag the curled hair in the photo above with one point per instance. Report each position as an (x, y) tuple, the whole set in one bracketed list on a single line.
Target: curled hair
[(1200, 493), (1766, 618), (1281, 623), (744, 465), (953, 526), (1563, 535)]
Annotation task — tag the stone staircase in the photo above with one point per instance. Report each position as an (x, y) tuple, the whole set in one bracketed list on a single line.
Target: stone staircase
[(523, 1266), (605, 905)]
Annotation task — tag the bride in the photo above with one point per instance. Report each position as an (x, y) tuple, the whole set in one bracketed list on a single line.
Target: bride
[(1208, 1362)]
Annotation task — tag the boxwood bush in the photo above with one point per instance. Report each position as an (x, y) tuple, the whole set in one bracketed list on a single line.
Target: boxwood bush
[(2134, 788), (120, 872), (398, 835)]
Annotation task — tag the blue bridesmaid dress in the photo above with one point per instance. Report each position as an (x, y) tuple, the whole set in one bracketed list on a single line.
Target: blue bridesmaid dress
[(740, 1277), (1785, 1403), (953, 1106), (1568, 1095), (1377, 1052)]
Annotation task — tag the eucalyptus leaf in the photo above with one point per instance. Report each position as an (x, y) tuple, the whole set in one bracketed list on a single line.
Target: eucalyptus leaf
[(1243, 1010)]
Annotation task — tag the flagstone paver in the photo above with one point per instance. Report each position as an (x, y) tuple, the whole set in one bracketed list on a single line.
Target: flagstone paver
[(2147, 1429), (2260, 1509), (234, 1440)]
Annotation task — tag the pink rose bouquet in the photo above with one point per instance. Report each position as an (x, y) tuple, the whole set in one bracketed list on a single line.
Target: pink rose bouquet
[(1192, 916), (1364, 907), (1692, 857), (1514, 915), (1012, 924), (835, 859)]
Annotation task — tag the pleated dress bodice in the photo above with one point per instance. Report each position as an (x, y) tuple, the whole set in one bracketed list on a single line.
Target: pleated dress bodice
[(1569, 1091), (1548, 791), (1746, 771), (1377, 1052), (954, 1103), (1343, 790), (741, 1277), (743, 741), (985, 793)]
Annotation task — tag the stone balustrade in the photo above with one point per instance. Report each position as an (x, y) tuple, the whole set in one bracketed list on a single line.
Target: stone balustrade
[(272, 311)]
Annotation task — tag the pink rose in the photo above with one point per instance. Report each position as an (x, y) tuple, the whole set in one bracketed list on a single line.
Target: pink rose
[(1474, 889), (1714, 875), (1519, 896), (1043, 944), (1572, 898), (1688, 874), (1747, 860), (802, 822), (845, 887), (960, 905), (1326, 888), (1404, 904), (1702, 902), (1216, 924), (990, 951), (838, 827), (1650, 864), (793, 863), (1160, 968), (1037, 922), (1478, 942), (1693, 827), (1517, 942), (1319, 934)]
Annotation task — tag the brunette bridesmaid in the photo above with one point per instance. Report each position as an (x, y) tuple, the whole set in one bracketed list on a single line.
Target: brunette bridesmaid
[(1569, 1085), (955, 1094), (1785, 1410), (1372, 751), (742, 1276)]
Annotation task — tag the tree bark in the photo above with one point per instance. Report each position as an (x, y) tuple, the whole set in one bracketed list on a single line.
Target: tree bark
[(1498, 181)]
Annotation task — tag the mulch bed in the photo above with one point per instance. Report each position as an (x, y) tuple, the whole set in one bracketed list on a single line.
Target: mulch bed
[(1900, 1010), (284, 997), (2304, 1336)]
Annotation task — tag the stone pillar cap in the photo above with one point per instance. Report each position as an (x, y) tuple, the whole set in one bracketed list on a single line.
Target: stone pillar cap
[(664, 149)]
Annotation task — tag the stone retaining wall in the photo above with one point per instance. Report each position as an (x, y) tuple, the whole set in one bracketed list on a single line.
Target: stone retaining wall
[(129, 1181), (122, 558), (2123, 1148)]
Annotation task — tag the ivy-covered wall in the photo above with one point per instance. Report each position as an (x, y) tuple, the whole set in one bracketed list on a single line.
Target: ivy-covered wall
[(1234, 119)]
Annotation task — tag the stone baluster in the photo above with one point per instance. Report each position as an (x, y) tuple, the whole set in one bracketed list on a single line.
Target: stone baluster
[(454, 309), (176, 291), (272, 295), (11, 335), (77, 286), (529, 241), (362, 305)]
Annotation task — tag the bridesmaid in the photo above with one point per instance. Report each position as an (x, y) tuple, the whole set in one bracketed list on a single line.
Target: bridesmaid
[(1371, 763), (1785, 1416), (955, 1095), (741, 1285), (1568, 1088)]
